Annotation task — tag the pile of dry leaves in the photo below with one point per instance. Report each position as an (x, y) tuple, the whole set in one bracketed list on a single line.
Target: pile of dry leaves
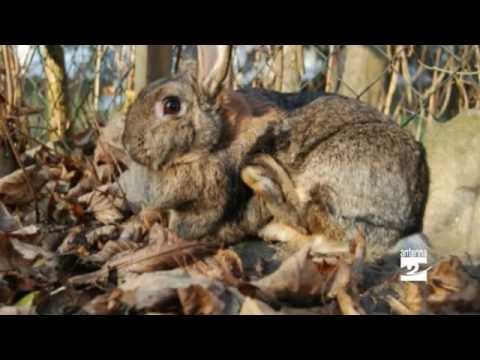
[(69, 244)]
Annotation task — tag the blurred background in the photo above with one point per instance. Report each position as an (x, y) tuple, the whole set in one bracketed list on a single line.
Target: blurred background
[(51, 89)]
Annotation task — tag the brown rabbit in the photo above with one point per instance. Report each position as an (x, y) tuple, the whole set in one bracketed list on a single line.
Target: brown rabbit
[(186, 132), (354, 166), (344, 158)]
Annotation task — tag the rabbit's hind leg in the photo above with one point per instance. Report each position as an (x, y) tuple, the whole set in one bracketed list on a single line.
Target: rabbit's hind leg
[(295, 240), (271, 183), (279, 232)]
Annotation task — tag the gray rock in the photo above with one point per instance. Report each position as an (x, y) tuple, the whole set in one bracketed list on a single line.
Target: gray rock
[(452, 217), (414, 242)]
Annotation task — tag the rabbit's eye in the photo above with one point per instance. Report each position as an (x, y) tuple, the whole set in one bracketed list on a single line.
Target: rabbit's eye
[(172, 105)]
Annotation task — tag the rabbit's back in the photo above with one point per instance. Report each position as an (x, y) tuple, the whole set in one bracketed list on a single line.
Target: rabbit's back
[(358, 164), (283, 101), (372, 171)]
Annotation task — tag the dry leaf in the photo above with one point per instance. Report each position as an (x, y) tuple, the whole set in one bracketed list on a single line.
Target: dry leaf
[(106, 304), (8, 223), (452, 287), (165, 251), (318, 271), (412, 300), (105, 173), (14, 188), (15, 254), (223, 264), (350, 268), (29, 252), (6, 254), (324, 248), (111, 249), (27, 233), (102, 234), (255, 307), (133, 231), (16, 311), (347, 305), (300, 278), (198, 300), (106, 204), (158, 289), (399, 308), (212, 299), (341, 280), (84, 186), (70, 242)]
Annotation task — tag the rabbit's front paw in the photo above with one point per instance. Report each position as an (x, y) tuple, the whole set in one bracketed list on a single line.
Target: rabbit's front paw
[(179, 226), (194, 226)]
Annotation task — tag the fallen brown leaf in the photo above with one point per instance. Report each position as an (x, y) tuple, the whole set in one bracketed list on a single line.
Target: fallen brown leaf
[(165, 251), (71, 241), (451, 287), (399, 308), (106, 204), (18, 255), (300, 278), (28, 233), (132, 231), (111, 249), (102, 234), (29, 252), (85, 185), (8, 223), (255, 307), (213, 299), (223, 264), (412, 300), (105, 173), (157, 290), (14, 188), (106, 304), (198, 300), (16, 311), (347, 305)]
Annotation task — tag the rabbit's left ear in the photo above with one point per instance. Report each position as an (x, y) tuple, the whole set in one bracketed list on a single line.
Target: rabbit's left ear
[(213, 67)]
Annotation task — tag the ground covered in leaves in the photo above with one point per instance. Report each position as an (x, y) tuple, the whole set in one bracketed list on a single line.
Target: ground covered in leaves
[(70, 244)]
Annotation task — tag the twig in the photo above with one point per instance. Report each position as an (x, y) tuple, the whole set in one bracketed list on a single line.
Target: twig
[(17, 159), (98, 63)]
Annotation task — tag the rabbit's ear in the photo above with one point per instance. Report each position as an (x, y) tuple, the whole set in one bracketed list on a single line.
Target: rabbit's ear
[(213, 67)]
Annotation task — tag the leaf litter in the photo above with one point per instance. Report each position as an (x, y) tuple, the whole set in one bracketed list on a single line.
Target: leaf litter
[(90, 253)]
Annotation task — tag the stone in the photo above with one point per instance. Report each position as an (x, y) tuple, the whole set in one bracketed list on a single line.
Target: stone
[(452, 216)]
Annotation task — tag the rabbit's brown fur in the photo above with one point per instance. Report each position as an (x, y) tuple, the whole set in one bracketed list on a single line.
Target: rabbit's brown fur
[(350, 161), (347, 161), (194, 162), (360, 165)]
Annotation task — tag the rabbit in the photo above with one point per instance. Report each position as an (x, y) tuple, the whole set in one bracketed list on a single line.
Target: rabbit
[(354, 165), (185, 132), (345, 159)]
